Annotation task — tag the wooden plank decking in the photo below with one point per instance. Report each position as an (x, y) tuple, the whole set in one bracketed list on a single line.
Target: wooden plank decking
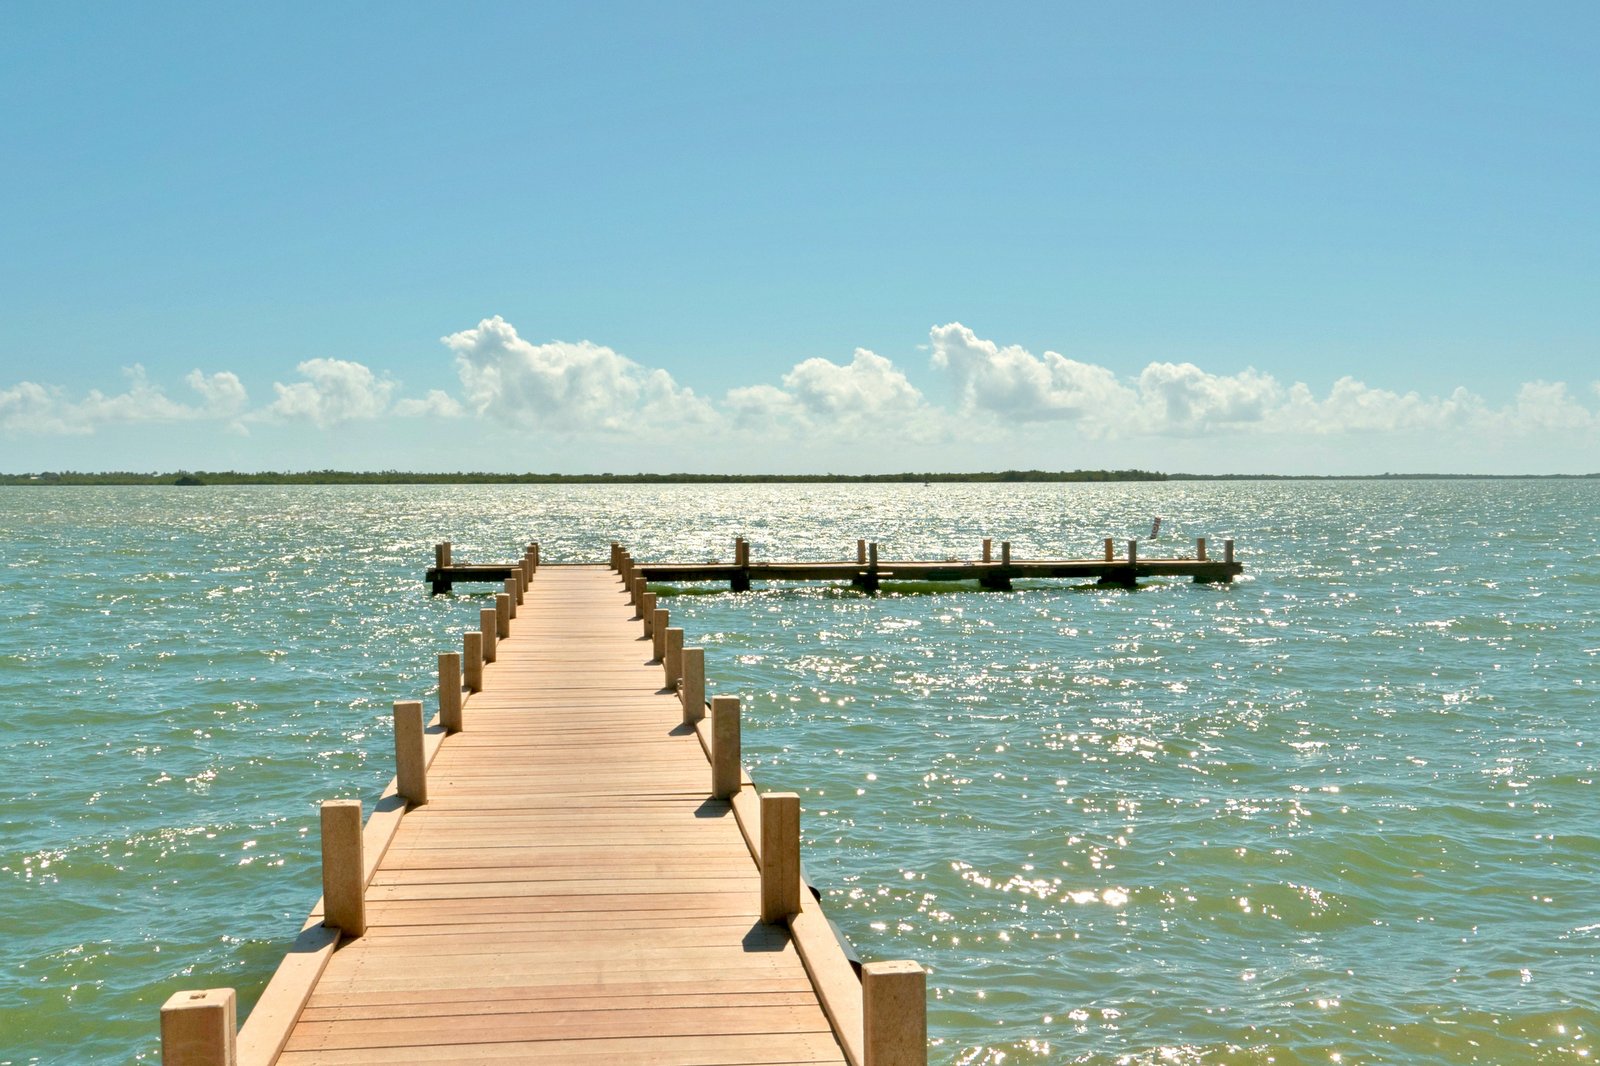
[(569, 893)]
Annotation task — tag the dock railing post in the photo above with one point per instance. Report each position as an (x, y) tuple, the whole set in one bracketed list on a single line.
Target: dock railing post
[(472, 658), (450, 691), (344, 901), (533, 553), (513, 596), (444, 548), (724, 746), (1227, 551), (672, 662), (894, 1014), (200, 1028), (410, 766), (693, 690), (489, 626), (988, 549), (638, 595), (861, 552), (780, 856), (1005, 553), (438, 555), (872, 556), (647, 612), (1111, 551), (1200, 548), (502, 615), (1133, 553), (658, 634)]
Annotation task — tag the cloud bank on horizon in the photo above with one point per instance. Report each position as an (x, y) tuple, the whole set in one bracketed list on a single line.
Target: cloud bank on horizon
[(989, 398)]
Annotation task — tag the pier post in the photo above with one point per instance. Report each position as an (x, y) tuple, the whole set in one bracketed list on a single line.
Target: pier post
[(780, 856), (438, 554), (647, 613), (450, 691), (502, 615), (472, 657), (1133, 553), (1227, 551), (693, 690), (410, 766), (1005, 553), (513, 595), (1111, 551), (894, 1014), (444, 553), (533, 552), (724, 746), (740, 582), (988, 549), (672, 662), (1200, 548), (200, 1028), (615, 548), (489, 626), (344, 879), (637, 595), (658, 634), (861, 552)]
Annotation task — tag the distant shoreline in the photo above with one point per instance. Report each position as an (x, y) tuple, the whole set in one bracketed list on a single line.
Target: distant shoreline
[(397, 477)]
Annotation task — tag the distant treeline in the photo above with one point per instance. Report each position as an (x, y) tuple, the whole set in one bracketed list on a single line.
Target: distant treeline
[(404, 477)]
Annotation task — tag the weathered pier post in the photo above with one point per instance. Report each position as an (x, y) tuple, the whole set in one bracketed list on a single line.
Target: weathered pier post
[(472, 659), (489, 626), (513, 596), (672, 661), (637, 599), (988, 549), (533, 553), (1111, 551), (647, 613), (344, 878), (740, 581), (861, 552), (410, 765), (868, 580), (725, 771), (502, 615), (200, 1028), (1200, 549), (450, 691), (780, 856), (1227, 551), (1133, 553), (659, 618), (894, 1009), (692, 692)]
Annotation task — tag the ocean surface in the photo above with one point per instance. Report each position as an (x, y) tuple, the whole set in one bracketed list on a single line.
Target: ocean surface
[(1343, 811)]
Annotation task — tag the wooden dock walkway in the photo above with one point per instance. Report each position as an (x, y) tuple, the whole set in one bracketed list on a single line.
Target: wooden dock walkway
[(570, 891)]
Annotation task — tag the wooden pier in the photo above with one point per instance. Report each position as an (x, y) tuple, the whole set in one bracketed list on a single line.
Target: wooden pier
[(991, 570), (570, 866)]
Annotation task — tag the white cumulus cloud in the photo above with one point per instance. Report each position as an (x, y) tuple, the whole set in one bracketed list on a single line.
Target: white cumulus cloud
[(29, 407), (560, 385), (819, 394), (1017, 384), (334, 391)]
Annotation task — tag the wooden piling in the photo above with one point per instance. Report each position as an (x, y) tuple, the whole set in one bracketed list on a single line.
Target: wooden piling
[(658, 634), (647, 613), (200, 1028), (513, 596), (502, 615), (672, 661), (637, 599), (489, 626), (472, 659), (725, 771), (444, 554), (780, 856), (533, 550), (988, 549), (1111, 551), (692, 692), (438, 555), (1200, 548), (410, 766), (894, 1009), (1227, 551), (861, 552), (1005, 553), (344, 880), (1133, 553), (450, 691)]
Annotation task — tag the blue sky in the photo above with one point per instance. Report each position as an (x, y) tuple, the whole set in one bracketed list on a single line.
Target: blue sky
[(804, 237)]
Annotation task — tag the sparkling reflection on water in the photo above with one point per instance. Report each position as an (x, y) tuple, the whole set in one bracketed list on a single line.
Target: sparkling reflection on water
[(1344, 810)]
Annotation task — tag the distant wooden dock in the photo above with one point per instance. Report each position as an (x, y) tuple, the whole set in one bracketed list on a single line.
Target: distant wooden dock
[(569, 867), (991, 570)]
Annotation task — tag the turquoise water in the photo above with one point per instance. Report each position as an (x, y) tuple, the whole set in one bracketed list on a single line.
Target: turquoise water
[(1342, 811)]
